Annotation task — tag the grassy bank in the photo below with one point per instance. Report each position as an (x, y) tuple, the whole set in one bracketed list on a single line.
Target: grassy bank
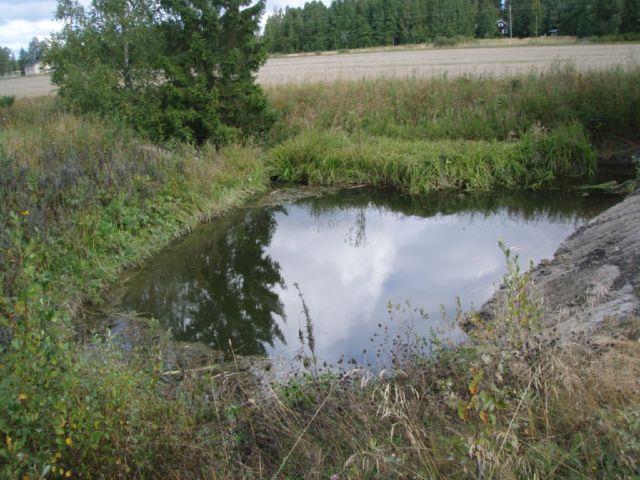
[(605, 103), (81, 199), (333, 158)]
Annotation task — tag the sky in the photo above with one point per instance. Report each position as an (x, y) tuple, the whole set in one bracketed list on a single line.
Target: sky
[(21, 20)]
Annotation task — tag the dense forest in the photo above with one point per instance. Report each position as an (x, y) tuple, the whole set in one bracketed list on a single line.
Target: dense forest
[(367, 23)]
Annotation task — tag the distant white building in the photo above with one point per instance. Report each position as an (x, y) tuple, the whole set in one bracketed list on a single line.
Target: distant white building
[(35, 68)]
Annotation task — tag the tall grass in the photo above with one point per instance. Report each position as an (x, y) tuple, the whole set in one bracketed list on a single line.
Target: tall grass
[(333, 158), (606, 103), (79, 185)]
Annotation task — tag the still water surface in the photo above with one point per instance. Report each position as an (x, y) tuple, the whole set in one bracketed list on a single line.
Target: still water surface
[(351, 252)]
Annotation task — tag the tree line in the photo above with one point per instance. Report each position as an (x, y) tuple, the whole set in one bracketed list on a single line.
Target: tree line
[(367, 23)]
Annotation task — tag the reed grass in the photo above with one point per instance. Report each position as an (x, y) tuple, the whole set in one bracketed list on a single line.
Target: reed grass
[(334, 158)]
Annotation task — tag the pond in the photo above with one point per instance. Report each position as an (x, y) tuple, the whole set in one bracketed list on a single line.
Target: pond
[(231, 283)]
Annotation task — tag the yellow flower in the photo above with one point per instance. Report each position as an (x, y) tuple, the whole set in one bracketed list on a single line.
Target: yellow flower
[(58, 455), (8, 441), (22, 397), (69, 442), (24, 212), (26, 477), (68, 474)]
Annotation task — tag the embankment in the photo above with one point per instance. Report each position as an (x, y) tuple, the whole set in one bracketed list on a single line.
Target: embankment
[(594, 275)]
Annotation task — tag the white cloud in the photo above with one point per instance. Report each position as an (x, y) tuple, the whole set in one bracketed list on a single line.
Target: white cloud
[(16, 34), (20, 21)]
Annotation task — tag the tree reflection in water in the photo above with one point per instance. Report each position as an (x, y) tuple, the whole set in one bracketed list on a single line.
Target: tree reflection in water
[(217, 285)]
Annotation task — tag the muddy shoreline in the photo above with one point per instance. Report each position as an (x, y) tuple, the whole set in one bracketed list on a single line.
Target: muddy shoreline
[(593, 278)]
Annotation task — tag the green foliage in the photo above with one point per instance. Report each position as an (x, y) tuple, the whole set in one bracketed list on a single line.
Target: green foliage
[(592, 17), (79, 200), (103, 59), (486, 19), (466, 108), (7, 101), (332, 158), (8, 62), (357, 23), (172, 69)]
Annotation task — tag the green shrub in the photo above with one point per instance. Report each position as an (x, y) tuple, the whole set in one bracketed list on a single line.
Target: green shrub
[(452, 41), (187, 71), (7, 100)]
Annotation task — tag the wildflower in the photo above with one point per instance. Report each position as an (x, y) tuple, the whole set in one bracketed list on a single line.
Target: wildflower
[(69, 442), (484, 416), (22, 396), (24, 212), (67, 474)]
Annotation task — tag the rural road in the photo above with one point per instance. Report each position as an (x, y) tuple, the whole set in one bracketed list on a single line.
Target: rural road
[(409, 63)]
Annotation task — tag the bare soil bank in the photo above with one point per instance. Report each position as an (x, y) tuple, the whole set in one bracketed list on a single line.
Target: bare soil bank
[(424, 63), (594, 275)]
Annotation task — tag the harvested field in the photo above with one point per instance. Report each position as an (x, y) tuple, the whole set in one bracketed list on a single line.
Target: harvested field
[(494, 61), (34, 86), (450, 62)]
